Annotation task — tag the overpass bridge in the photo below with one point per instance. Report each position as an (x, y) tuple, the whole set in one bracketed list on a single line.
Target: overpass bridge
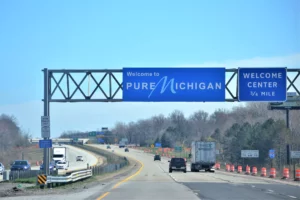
[(60, 140)]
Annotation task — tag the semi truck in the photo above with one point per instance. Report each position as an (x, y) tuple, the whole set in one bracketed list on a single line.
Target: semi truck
[(59, 154), (122, 144), (203, 156)]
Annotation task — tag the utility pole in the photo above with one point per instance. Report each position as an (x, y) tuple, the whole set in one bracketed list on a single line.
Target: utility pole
[(46, 113)]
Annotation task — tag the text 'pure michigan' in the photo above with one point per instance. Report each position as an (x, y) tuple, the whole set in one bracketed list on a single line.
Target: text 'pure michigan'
[(168, 83)]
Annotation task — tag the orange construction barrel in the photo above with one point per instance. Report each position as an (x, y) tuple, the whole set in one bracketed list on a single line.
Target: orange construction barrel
[(297, 178), (272, 173), (286, 173), (232, 168), (254, 171), (247, 170), (227, 167), (240, 169), (263, 172)]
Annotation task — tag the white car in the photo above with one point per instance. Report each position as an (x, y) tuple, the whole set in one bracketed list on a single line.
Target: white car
[(2, 168), (62, 165), (79, 158)]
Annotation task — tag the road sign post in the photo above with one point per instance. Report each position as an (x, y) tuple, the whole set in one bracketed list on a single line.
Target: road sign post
[(178, 149), (46, 118), (262, 84), (295, 154), (44, 144), (45, 124), (271, 156), (157, 144), (272, 153), (249, 153)]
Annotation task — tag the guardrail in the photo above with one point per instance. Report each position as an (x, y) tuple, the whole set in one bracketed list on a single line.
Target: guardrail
[(75, 176), (98, 170), (13, 175), (114, 162)]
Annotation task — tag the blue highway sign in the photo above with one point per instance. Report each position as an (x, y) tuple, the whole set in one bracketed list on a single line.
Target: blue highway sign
[(45, 144), (272, 153), (262, 84), (100, 133), (100, 140), (174, 84), (157, 144)]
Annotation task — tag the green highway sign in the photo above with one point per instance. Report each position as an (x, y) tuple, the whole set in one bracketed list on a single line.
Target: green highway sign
[(92, 134), (75, 139), (178, 149), (293, 102)]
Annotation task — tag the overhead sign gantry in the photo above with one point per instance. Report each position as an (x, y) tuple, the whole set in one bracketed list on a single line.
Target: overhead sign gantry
[(166, 85)]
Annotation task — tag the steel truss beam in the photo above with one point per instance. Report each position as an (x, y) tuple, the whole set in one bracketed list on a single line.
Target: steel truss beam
[(110, 95)]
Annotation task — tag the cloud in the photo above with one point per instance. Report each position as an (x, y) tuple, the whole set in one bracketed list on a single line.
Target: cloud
[(92, 116)]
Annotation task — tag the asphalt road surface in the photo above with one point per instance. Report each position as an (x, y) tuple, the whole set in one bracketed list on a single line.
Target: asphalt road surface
[(72, 153), (153, 181)]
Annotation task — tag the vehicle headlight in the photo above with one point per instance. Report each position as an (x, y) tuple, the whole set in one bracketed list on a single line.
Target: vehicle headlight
[(25, 167)]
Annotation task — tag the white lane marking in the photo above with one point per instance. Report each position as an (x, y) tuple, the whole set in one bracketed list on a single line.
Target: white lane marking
[(173, 177), (168, 173), (253, 186), (292, 197), (270, 191)]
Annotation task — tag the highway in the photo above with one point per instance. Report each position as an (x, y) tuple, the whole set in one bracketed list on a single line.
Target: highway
[(72, 153), (152, 181)]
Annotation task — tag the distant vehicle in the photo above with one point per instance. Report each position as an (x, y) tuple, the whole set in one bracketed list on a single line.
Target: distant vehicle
[(203, 156), (79, 158), (157, 157), (108, 147), (62, 165), (177, 164), (20, 165), (51, 166), (59, 153), (112, 150), (2, 168), (126, 150), (122, 144)]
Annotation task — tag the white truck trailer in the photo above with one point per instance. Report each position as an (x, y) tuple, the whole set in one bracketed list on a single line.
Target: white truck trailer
[(59, 154), (203, 156)]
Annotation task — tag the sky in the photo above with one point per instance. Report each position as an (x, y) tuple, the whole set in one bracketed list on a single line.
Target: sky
[(133, 33)]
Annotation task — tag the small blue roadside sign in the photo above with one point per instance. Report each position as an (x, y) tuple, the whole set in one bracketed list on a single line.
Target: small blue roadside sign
[(262, 84), (100, 133), (45, 144), (272, 153), (100, 140), (157, 144), (174, 84)]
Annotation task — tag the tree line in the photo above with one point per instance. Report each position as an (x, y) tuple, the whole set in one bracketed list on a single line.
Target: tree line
[(249, 127), (11, 138)]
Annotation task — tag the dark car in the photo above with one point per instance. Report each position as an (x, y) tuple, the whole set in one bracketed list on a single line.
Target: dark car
[(51, 166), (157, 157), (126, 150), (108, 147), (177, 164), (2, 168), (20, 165)]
